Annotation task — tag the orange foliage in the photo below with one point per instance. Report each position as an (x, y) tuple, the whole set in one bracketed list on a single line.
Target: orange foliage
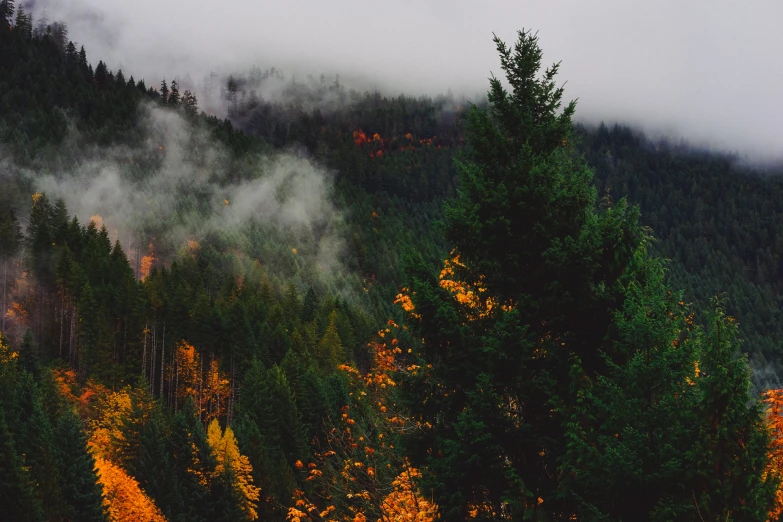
[(210, 392), (147, 263), (465, 294), (774, 401), (123, 496), (405, 503), (97, 219), (359, 137), (358, 463)]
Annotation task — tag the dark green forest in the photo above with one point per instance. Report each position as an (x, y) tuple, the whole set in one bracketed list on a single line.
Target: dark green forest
[(353, 306)]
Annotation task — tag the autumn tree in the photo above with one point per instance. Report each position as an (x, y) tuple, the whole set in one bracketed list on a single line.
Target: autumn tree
[(233, 471)]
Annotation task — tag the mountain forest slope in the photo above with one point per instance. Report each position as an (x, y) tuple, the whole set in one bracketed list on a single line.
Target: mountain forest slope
[(334, 305)]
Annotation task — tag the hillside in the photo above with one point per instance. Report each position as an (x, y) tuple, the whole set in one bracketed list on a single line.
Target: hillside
[(334, 305)]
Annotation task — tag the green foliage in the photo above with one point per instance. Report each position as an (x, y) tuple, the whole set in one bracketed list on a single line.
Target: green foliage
[(81, 489), (525, 227), (572, 392)]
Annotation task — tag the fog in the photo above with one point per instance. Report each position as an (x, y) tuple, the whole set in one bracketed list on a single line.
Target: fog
[(280, 211), (705, 70)]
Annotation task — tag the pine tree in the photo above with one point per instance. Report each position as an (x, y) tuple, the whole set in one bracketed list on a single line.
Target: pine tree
[(164, 92), (101, 75), (190, 103), (17, 498), (35, 440), (533, 275), (155, 470), (193, 463), (330, 350), (24, 23), (174, 94), (630, 430), (10, 242), (82, 490), (731, 454)]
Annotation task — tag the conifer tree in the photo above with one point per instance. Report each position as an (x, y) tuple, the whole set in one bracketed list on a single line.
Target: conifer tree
[(17, 497), (533, 275), (330, 350), (35, 440), (193, 463), (629, 432), (174, 94), (731, 453), (155, 470), (10, 242), (82, 490), (164, 92)]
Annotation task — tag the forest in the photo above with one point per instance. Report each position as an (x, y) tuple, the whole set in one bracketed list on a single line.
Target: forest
[(333, 305)]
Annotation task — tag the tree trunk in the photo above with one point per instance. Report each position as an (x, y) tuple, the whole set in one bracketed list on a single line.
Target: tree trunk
[(5, 289), (162, 358)]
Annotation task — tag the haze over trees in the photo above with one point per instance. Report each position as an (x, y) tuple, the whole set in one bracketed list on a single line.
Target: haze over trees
[(469, 315)]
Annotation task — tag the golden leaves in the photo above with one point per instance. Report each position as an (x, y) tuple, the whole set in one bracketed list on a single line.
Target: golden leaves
[(123, 496), (226, 451)]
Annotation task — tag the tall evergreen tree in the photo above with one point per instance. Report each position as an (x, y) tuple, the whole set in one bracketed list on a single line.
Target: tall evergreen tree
[(164, 92), (17, 497), (730, 457), (174, 94), (82, 490), (10, 242), (533, 275)]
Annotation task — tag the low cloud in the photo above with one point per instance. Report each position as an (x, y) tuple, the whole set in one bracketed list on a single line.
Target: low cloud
[(706, 70)]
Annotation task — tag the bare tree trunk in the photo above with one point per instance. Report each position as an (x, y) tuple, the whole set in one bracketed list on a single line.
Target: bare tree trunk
[(162, 358), (144, 351), (176, 382), (62, 320), (152, 360), (231, 394), (5, 290), (200, 383)]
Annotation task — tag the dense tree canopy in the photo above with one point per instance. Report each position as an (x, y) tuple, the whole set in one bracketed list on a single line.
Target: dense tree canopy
[(548, 369)]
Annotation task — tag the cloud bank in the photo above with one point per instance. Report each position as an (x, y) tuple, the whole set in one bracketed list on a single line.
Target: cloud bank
[(706, 70)]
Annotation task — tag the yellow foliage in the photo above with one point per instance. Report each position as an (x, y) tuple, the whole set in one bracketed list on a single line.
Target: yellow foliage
[(107, 437), (123, 496), (226, 451), (405, 503)]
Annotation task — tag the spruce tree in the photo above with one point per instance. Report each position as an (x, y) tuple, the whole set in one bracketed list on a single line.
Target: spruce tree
[(174, 94), (82, 490), (629, 430), (730, 457), (17, 497), (532, 279), (10, 243)]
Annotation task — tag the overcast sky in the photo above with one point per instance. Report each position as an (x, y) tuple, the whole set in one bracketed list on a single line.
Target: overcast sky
[(707, 70)]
